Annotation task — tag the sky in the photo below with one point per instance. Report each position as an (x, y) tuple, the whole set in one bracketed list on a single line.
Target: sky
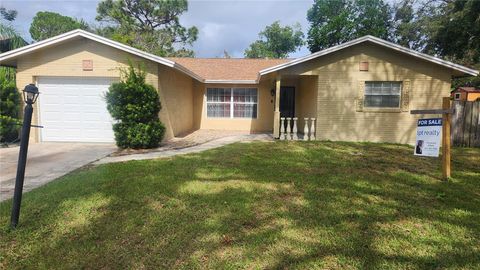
[(222, 24)]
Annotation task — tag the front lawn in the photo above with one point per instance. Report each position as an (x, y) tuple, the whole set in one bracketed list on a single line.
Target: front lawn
[(295, 205)]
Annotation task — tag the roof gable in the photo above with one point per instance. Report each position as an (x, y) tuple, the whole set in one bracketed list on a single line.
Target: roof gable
[(377, 41), (81, 33)]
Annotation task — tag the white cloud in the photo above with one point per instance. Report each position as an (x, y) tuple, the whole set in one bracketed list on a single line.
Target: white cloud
[(223, 24)]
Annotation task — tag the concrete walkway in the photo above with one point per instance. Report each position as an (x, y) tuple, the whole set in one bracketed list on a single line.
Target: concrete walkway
[(46, 162), (193, 149)]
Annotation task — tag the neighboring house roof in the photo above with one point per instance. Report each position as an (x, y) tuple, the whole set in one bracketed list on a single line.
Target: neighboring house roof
[(467, 89), (378, 41), (227, 70), (220, 70)]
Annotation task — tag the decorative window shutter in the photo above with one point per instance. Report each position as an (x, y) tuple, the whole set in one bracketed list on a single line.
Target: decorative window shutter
[(361, 96), (406, 95)]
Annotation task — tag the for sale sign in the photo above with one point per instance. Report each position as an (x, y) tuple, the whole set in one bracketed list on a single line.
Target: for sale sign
[(429, 134)]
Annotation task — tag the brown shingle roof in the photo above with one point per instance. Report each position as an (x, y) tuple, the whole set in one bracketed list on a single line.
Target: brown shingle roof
[(468, 89), (227, 68)]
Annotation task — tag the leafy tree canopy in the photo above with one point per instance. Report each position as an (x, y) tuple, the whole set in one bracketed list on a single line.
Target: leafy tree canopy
[(333, 22), (9, 106), (47, 24), (458, 34), (449, 29), (150, 25), (8, 14), (405, 25), (9, 38), (276, 41)]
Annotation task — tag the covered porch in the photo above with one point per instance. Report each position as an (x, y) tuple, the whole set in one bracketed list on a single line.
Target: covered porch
[(295, 107)]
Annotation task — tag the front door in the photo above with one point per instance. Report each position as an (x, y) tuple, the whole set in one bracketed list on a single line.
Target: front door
[(287, 101)]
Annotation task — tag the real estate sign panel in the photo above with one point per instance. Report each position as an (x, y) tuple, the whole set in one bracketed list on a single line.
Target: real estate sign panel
[(429, 134)]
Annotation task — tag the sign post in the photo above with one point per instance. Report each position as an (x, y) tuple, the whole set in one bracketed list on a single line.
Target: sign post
[(446, 139), (428, 137)]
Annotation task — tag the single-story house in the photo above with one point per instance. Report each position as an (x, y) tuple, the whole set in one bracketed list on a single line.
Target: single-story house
[(361, 90), (465, 93)]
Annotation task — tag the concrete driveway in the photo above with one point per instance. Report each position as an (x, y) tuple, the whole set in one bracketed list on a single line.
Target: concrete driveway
[(46, 162)]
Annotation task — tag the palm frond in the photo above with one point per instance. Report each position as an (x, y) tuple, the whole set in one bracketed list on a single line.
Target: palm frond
[(10, 39)]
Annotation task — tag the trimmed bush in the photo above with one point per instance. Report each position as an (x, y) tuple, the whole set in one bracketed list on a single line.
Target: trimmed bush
[(135, 105), (10, 101), (138, 135)]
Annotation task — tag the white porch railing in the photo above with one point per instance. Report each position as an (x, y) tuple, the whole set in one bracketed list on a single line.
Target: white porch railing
[(289, 130)]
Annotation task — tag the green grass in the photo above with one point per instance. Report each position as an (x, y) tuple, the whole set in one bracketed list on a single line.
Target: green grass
[(321, 205)]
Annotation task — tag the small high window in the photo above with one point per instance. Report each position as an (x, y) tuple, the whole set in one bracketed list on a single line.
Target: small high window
[(457, 96), (382, 94)]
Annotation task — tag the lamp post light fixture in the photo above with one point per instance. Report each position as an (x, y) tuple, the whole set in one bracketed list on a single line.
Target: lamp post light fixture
[(30, 95)]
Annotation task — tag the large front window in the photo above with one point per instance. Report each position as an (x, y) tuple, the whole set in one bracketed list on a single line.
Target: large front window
[(232, 102), (383, 94)]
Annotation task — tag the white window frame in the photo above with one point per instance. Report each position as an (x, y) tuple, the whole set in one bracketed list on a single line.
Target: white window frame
[(384, 108), (458, 96), (231, 102), (218, 102)]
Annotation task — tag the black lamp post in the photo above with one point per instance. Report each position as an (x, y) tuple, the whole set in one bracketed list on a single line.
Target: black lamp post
[(30, 94)]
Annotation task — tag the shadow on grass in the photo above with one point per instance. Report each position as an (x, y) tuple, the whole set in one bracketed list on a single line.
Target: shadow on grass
[(282, 205)]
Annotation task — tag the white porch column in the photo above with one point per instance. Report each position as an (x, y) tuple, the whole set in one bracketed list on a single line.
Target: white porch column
[(282, 128), (312, 130), (305, 129), (289, 128), (294, 129), (276, 114)]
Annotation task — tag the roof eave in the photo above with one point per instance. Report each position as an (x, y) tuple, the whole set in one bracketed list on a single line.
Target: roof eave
[(81, 33), (188, 72), (375, 40), (231, 81)]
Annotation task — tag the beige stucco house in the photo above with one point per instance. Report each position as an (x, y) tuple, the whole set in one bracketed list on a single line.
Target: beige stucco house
[(361, 90)]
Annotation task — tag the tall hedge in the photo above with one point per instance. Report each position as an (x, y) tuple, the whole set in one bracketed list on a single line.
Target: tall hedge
[(10, 105), (135, 105)]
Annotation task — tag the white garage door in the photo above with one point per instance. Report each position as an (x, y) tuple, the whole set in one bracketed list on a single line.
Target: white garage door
[(73, 109)]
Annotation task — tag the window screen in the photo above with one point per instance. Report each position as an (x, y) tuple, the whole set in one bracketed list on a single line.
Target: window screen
[(232, 102), (245, 102), (218, 102), (382, 94)]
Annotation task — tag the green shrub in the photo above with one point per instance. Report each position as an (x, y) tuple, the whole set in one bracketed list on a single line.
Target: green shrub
[(10, 101), (135, 105), (138, 135)]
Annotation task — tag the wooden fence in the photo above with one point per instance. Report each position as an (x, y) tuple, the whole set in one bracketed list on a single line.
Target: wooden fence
[(466, 123)]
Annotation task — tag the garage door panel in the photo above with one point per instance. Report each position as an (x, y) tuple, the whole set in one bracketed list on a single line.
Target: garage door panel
[(53, 108), (74, 109), (72, 117), (53, 100), (71, 100), (90, 118)]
